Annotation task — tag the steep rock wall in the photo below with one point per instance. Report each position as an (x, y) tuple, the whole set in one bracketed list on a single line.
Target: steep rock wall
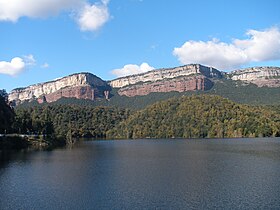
[(181, 84), (261, 76), (77, 85), (169, 73)]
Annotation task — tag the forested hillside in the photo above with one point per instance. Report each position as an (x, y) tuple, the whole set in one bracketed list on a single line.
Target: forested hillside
[(199, 117), (6, 114), (68, 120)]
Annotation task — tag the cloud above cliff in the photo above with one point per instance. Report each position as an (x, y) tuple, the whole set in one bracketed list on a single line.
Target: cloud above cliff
[(130, 69), (29, 60), (45, 65), (90, 17), (259, 46), (16, 65)]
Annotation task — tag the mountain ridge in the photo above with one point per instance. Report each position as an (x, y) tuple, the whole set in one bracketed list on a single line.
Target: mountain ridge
[(191, 77), (79, 85), (166, 73)]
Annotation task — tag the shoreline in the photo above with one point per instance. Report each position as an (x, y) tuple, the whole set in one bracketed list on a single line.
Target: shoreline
[(18, 142)]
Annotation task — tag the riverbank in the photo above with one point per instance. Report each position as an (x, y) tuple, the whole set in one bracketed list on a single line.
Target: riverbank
[(13, 142), (17, 142)]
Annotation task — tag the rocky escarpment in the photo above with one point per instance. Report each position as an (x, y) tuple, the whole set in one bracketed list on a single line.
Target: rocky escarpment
[(81, 86), (166, 73), (261, 76), (181, 84), (184, 78)]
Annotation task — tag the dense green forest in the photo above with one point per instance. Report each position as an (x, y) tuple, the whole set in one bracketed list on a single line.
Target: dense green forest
[(6, 114), (196, 116), (6, 120), (199, 117), (68, 120)]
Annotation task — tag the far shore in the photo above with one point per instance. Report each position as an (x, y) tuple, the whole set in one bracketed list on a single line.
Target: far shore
[(22, 141)]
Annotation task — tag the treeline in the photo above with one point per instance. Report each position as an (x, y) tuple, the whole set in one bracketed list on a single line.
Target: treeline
[(68, 120), (6, 114), (202, 116)]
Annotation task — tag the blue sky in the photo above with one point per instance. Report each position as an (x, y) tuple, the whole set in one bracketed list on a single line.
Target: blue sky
[(41, 40)]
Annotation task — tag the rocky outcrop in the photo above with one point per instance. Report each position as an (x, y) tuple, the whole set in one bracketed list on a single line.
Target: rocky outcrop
[(168, 73), (181, 84), (81, 86), (261, 76), (184, 78)]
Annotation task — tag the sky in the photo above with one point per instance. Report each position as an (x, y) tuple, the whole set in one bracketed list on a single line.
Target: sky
[(41, 40)]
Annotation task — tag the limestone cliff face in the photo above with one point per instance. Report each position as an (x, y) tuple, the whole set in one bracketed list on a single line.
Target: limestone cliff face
[(261, 76), (168, 73), (184, 78), (82, 85), (181, 84)]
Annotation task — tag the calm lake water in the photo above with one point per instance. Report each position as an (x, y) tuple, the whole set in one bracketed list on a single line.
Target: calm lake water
[(145, 174)]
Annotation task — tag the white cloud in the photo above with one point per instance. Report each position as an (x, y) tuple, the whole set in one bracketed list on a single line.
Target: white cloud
[(94, 16), (45, 65), (132, 69), (90, 17), (12, 68), (260, 46), (12, 10), (17, 65), (29, 60), (263, 45)]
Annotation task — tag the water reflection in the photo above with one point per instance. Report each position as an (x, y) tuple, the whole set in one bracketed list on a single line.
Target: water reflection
[(164, 174)]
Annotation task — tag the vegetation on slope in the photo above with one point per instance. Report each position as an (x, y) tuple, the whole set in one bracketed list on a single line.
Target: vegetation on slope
[(196, 116), (6, 114), (68, 120), (6, 120), (233, 90), (241, 92), (199, 117)]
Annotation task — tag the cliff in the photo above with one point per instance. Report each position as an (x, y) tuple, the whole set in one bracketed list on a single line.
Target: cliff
[(191, 77), (177, 84), (81, 86), (167, 73), (261, 76), (184, 78)]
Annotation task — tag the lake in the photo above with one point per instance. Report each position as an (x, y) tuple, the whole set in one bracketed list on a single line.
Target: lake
[(145, 174)]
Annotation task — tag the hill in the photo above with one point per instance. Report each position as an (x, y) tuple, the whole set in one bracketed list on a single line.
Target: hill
[(198, 117), (63, 121), (6, 113)]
